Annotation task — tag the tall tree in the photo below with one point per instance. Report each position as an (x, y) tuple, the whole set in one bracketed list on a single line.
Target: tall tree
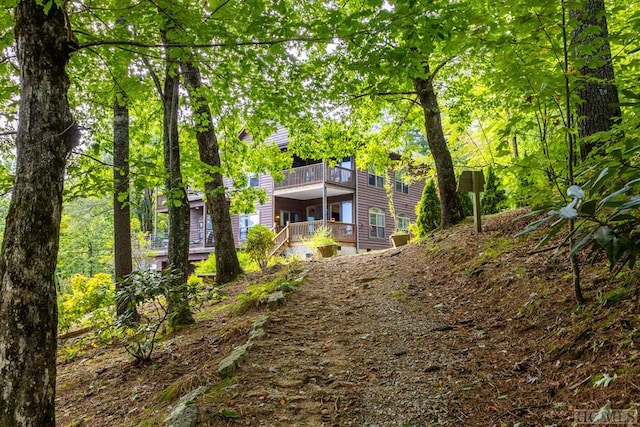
[(47, 133), (227, 264), (122, 252), (450, 205), (177, 200), (599, 108)]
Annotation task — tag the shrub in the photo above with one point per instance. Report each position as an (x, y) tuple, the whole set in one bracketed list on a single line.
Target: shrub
[(493, 197), (428, 210), (148, 288), (322, 236), (87, 295), (209, 264), (467, 204), (259, 244)]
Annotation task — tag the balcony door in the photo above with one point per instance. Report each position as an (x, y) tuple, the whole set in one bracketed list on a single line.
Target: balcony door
[(340, 211), (287, 216)]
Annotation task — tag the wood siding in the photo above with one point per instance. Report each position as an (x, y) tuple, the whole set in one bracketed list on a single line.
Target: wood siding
[(369, 196)]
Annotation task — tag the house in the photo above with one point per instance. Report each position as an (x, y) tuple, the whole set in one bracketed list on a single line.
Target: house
[(351, 202)]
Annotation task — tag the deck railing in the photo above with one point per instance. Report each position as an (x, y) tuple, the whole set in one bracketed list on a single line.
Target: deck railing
[(341, 231), (160, 241), (312, 174)]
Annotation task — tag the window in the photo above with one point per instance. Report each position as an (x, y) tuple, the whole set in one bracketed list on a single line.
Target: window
[(376, 180), (401, 187), (253, 180), (403, 223), (376, 223), (246, 222)]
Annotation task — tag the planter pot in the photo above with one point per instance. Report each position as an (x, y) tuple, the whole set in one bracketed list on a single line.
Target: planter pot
[(327, 251), (399, 239)]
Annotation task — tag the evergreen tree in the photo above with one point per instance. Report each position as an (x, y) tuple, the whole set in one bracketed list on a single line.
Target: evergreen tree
[(428, 210), (467, 204), (493, 197)]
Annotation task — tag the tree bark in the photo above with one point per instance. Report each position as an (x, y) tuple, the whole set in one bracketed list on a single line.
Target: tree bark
[(46, 135), (227, 264), (450, 204), (123, 259), (600, 108), (177, 201), (145, 212)]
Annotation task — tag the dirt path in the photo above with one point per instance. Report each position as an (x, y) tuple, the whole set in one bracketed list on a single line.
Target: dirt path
[(460, 330), (354, 346)]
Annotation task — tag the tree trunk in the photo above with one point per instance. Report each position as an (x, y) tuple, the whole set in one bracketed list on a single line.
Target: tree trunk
[(177, 202), (227, 264), (123, 262), (450, 205), (145, 212), (46, 135), (600, 108)]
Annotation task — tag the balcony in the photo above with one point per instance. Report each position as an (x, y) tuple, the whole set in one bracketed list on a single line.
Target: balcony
[(313, 174), (160, 241)]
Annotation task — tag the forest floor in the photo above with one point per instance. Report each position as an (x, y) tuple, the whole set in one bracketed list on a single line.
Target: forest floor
[(457, 330)]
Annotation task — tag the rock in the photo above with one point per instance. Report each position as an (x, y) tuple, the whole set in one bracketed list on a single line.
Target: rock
[(275, 300), (227, 366), (185, 414), (256, 334), (261, 323)]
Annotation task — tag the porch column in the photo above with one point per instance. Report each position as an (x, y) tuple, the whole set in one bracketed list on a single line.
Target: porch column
[(324, 194)]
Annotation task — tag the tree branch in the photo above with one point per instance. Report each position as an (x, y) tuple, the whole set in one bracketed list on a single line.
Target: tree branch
[(439, 67), (154, 77), (211, 45), (363, 95)]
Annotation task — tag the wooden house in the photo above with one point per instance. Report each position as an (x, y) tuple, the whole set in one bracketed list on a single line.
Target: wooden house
[(351, 202)]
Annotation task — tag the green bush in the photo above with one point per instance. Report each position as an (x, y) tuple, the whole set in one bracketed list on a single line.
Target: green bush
[(494, 197), (260, 244), (428, 210), (209, 265), (467, 204), (86, 301), (147, 289), (604, 208), (322, 236)]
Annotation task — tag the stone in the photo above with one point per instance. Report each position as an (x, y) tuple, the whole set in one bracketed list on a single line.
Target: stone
[(228, 366), (256, 334), (275, 300), (261, 323), (185, 413)]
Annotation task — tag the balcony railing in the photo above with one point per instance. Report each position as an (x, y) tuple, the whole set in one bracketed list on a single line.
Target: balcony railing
[(160, 241), (312, 174), (341, 231)]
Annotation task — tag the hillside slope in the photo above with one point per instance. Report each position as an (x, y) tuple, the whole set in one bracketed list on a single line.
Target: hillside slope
[(460, 329)]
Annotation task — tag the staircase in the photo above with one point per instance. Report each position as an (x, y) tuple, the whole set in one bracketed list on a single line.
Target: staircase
[(281, 241)]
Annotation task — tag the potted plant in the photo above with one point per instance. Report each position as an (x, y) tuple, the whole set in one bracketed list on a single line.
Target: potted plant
[(322, 240)]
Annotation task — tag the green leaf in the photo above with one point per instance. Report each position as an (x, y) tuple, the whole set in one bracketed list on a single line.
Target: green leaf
[(604, 236), (534, 226), (584, 241), (599, 181), (555, 229), (589, 207), (631, 204)]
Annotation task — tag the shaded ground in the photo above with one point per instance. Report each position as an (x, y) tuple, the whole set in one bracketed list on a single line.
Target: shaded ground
[(458, 330)]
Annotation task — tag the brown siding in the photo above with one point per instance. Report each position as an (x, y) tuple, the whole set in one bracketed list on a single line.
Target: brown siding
[(369, 196), (280, 137), (266, 210)]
